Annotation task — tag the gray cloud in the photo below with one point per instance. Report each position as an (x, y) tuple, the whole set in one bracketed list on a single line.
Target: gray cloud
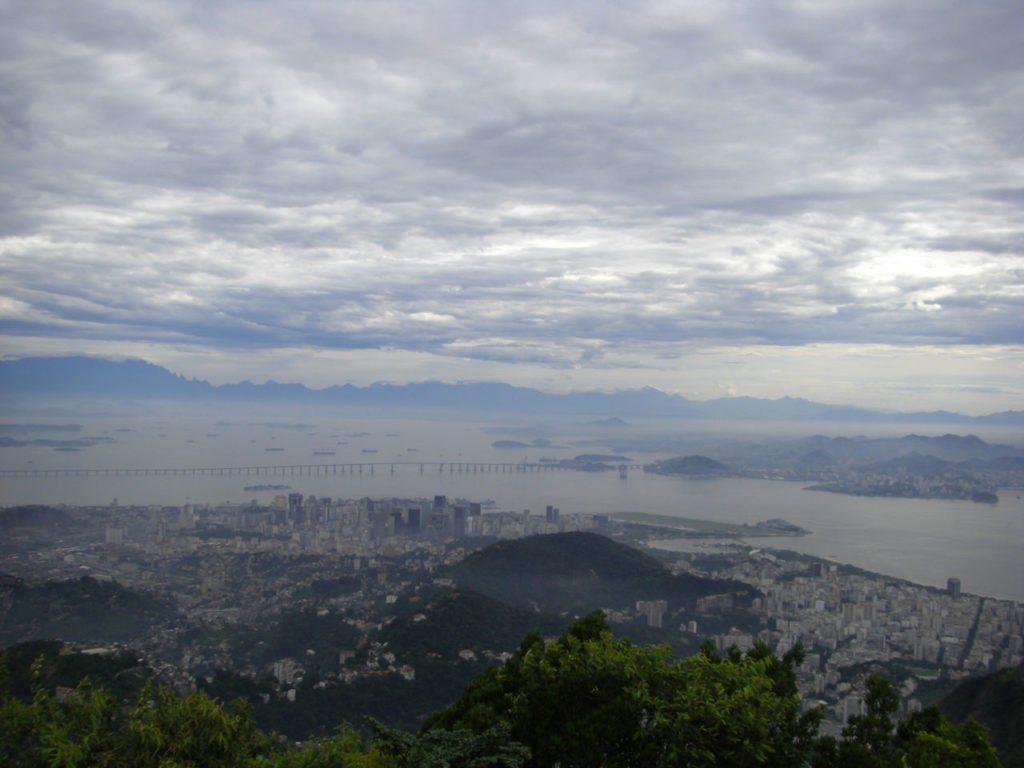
[(510, 181)]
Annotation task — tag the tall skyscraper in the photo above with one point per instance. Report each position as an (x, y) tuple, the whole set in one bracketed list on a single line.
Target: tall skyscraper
[(459, 516), (296, 514), (414, 516), (953, 587)]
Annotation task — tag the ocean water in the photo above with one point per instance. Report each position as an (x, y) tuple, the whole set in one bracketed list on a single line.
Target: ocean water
[(925, 541)]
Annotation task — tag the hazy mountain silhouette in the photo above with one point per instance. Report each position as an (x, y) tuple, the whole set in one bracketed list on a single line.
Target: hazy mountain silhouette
[(89, 377), (949, 448)]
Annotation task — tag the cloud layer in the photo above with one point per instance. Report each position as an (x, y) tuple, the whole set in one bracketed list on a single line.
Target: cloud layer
[(597, 184)]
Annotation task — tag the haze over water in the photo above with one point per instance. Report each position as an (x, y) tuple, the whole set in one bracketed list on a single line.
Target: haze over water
[(925, 541)]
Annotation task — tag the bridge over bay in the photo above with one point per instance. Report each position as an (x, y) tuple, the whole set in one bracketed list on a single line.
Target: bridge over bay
[(270, 470)]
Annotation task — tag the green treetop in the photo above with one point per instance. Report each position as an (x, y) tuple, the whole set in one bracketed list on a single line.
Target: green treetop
[(584, 700), (591, 700)]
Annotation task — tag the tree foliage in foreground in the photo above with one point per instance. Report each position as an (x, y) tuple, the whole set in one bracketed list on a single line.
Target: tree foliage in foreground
[(921, 740), (589, 699), (586, 699)]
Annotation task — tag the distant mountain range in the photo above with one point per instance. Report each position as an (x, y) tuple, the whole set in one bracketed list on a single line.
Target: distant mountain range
[(88, 377), (824, 451)]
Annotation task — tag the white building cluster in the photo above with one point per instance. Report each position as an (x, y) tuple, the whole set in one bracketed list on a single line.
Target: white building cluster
[(845, 618)]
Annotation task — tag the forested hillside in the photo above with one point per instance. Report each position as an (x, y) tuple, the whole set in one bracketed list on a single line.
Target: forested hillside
[(997, 700), (84, 609), (575, 573), (584, 700)]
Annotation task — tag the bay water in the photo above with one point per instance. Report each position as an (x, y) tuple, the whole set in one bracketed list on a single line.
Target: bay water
[(924, 541)]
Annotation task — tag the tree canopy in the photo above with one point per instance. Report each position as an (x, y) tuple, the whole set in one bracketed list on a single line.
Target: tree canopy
[(584, 700), (589, 699), (921, 740)]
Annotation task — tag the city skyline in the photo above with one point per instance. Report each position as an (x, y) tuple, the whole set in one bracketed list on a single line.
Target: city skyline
[(762, 199)]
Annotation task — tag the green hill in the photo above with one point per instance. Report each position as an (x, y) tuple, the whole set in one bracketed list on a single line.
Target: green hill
[(688, 465), (575, 573), (502, 593), (80, 610), (458, 620), (122, 671), (426, 636), (583, 699), (996, 701), (915, 463), (32, 516)]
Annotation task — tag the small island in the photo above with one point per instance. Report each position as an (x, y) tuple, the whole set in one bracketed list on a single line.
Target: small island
[(689, 466), (502, 444)]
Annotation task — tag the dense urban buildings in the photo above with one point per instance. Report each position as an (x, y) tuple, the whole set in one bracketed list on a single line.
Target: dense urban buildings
[(213, 560)]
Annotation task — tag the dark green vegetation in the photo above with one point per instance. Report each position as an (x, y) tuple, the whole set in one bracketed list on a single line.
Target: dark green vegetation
[(427, 636), (997, 700), (688, 465), (571, 574), (305, 634), (402, 662), (462, 620), (333, 587), (584, 699), (921, 739), (590, 699), (509, 444), (121, 671), (82, 610), (32, 516), (397, 662), (449, 636)]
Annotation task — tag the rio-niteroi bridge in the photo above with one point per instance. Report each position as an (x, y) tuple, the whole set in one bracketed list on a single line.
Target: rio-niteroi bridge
[(310, 470)]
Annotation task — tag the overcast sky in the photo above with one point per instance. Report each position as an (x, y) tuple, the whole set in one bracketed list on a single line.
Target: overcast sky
[(817, 199)]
